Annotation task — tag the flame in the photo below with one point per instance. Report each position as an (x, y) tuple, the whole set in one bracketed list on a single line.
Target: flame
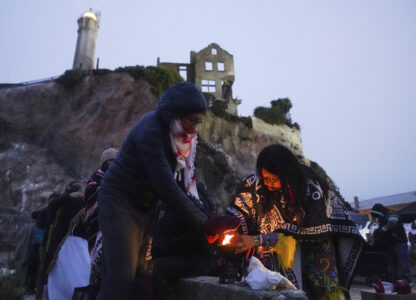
[(227, 239)]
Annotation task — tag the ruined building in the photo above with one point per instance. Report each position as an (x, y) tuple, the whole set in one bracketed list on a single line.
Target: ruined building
[(88, 25), (212, 70)]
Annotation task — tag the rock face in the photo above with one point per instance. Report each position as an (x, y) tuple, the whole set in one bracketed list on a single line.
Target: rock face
[(239, 145), (51, 134)]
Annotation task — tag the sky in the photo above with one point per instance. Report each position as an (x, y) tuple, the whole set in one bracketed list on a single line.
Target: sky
[(348, 67)]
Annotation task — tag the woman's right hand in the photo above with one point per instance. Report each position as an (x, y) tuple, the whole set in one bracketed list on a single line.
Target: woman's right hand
[(241, 243)]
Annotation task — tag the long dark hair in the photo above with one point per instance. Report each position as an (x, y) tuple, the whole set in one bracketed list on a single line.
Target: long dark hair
[(280, 161)]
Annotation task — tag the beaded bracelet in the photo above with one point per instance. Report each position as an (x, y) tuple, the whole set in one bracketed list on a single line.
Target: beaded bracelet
[(256, 240)]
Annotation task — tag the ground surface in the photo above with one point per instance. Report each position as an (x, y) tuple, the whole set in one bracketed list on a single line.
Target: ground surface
[(356, 288)]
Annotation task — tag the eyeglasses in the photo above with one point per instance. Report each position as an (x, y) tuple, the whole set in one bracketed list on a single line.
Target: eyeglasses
[(194, 121), (268, 180)]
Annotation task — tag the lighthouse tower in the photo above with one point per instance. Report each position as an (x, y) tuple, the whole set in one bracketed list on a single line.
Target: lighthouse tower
[(88, 25)]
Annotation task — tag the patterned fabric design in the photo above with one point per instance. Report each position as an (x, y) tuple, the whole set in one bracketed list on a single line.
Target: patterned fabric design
[(322, 272), (335, 209), (269, 239), (289, 274), (245, 203), (240, 216), (271, 221), (326, 215), (325, 219), (93, 233), (91, 209), (248, 201), (321, 229), (351, 263), (96, 258)]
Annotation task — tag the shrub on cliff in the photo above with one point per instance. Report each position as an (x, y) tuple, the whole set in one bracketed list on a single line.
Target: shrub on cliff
[(277, 114), (160, 78), (219, 107), (101, 71), (72, 77)]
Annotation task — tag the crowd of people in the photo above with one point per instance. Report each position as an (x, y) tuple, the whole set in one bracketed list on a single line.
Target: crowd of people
[(386, 253), (68, 238), (143, 220)]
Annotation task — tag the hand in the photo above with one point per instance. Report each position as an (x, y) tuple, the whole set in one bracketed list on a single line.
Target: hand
[(241, 243), (216, 225)]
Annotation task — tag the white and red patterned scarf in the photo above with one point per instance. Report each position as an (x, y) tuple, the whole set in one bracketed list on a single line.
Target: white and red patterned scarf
[(184, 147)]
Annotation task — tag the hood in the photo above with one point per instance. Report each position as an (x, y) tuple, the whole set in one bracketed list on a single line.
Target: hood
[(179, 100)]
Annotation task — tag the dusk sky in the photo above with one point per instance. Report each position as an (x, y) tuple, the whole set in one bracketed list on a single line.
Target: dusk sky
[(349, 67)]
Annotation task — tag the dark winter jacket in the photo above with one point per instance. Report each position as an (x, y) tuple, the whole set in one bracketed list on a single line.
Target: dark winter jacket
[(387, 235), (174, 237), (390, 229), (143, 170), (41, 216)]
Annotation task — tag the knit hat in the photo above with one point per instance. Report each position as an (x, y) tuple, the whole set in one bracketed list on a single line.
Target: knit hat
[(182, 99), (379, 210), (73, 186), (110, 153)]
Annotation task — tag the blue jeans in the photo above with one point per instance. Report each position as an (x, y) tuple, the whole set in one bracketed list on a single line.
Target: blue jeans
[(125, 240)]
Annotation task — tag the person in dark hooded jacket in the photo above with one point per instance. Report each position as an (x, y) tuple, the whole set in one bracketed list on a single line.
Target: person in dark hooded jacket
[(390, 236), (154, 156)]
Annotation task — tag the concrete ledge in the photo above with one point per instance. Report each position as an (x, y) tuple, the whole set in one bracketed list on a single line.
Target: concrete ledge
[(209, 288)]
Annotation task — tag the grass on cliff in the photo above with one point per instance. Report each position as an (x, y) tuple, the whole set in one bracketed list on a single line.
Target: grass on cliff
[(160, 78)]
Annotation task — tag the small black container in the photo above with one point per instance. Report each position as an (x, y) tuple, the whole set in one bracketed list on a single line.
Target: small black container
[(232, 271)]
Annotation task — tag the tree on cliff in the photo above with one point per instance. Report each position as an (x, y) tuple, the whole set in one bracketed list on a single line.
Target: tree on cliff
[(277, 114)]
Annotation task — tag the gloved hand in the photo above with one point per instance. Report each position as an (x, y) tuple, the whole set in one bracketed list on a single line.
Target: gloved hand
[(216, 225)]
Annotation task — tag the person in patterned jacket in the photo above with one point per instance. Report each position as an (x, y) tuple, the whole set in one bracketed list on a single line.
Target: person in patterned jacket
[(295, 224), (92, 228)]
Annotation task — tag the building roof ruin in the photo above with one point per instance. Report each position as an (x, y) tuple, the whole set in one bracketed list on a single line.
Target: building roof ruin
[(212, 70)]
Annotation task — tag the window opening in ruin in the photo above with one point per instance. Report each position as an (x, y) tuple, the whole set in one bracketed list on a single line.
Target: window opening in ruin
[(208, 86), (208, 66), (183, 72), (220, 67), (214, 51)]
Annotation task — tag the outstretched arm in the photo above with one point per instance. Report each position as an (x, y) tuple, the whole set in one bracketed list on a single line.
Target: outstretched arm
[(160, 174)]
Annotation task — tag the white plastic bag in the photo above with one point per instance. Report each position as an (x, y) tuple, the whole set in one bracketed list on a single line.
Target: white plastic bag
[(261, 278)]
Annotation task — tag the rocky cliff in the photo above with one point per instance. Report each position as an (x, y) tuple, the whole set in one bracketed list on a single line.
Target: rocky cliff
[(51, 134)]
